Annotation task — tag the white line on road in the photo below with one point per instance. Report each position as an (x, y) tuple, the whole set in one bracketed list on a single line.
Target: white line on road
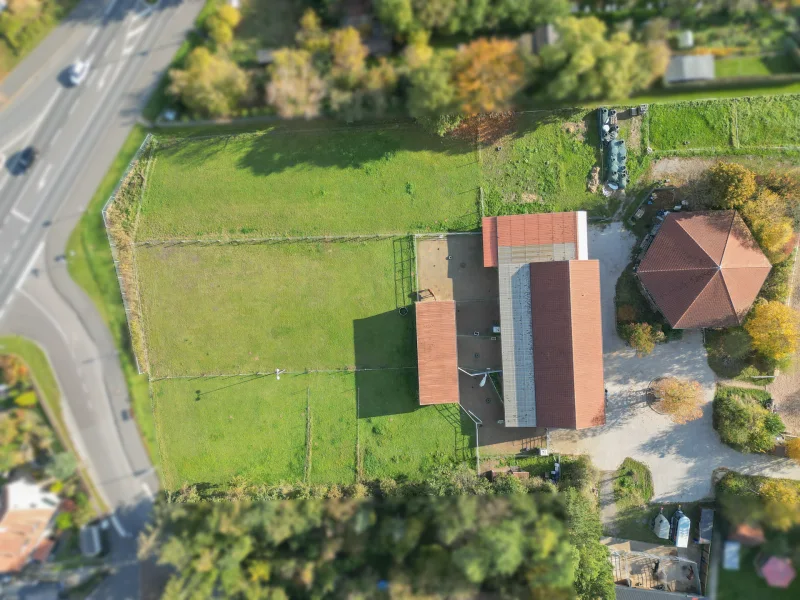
[(128, 49), (43, 178), (19, 215), (24, 274), (92, 36), (145, 487), (118, 526), (137, 31), (102, 82)]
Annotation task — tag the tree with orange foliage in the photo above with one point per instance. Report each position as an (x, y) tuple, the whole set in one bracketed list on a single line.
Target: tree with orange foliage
[(12, 370), (793, 449), (488, 75)]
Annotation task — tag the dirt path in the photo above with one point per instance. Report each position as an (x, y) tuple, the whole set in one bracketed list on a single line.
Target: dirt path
[(608, 508)]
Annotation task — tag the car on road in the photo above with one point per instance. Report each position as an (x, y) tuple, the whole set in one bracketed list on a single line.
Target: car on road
[(25, 159), (78, 72)]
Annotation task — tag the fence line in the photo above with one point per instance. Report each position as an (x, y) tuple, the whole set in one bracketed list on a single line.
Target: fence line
[(115, 252), (283, 372)]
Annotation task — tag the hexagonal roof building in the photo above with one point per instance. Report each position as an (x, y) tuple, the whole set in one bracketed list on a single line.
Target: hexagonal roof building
[(703, 269)]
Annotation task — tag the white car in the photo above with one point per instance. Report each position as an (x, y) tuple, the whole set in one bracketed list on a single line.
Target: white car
[(78, 72)]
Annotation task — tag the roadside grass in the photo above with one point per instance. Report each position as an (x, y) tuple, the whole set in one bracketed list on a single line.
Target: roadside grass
[(50, 394), (213, 429), (288, 181), (241, 309), (771, 121), (704, 124), (633, 484), (543, 165), (33, 32), (91, 266), (746, 584)]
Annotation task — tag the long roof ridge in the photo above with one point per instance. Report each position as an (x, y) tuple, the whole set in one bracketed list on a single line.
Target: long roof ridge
[(727, 239), (730, 226), (572, 341), (700, 293)]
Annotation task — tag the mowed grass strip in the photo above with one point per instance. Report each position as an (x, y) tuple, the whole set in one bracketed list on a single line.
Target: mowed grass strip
[(769, 121), (704, 124), (542, 165), (398, 437), (329, 181), (241, 309)]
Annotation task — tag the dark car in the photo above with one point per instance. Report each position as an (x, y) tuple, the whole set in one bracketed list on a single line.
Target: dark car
[(26, 159)]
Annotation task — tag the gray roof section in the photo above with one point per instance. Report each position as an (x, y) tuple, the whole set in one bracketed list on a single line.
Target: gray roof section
[(626, 593), (516, 341), (690, 67)]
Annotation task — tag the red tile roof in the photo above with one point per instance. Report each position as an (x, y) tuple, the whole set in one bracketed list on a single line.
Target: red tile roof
[(567, 344), (437, 357), (704, 269), (489, 241), (536, 229)]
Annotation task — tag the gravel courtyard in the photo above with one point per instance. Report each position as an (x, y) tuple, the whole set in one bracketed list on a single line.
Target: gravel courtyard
[(681, 457)]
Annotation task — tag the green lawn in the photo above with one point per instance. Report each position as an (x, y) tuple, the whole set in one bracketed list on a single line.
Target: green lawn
[(704, 124), (242, 309), (91, 266), (769, 121), (543, 165), (213, 429), (746, 584), (291, 181), (753, 66)]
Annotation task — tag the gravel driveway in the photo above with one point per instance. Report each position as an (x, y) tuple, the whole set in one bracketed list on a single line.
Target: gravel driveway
[(681, 457)]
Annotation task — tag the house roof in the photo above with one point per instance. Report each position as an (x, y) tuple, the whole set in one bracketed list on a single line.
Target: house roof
[(567, 344), (690, 67), (437, 357), (704, 269), (538, 237), (26, 514)]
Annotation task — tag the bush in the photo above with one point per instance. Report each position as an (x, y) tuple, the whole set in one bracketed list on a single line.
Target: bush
[(633, 484), (642, 337), (775, 330), (777, 285), (743, 422), (64, 521), (793, 449), (26, 399)]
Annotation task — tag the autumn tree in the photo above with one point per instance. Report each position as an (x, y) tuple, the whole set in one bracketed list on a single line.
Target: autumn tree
[(349, 56), (13, 370), (679, 398), (781, 503), (311, 36), (766, 214), (397, 15), (221, 24), (418, 51), (295, 88), (793, 448), (488, 75), (209, 84), (230, 15), (774, 328), (431, 91), (732, 185), (642, 337), (372, 98)]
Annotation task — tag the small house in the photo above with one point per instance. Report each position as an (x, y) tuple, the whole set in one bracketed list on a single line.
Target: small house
[(679, 529)]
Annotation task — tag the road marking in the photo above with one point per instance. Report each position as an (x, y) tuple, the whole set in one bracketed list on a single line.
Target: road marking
[(118, 526), (24, 274), (55, 136), (20, 216), (136, 31), (92, 35), (102, 82), (43, 179), (128, 49), (145, 487)]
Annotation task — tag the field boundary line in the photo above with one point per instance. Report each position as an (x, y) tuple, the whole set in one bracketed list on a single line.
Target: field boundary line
[(307, 469), (359, 467), (283, 372), (272, 240), (158, 429)]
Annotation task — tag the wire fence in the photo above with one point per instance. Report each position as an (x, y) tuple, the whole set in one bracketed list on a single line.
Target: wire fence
[(115, 254)]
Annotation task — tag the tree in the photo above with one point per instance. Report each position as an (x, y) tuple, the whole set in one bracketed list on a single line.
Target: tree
[(435, 14), (656, 29), (774, 328), (219, 31), (732, 185), (61, 466), (13, 370), (431, 91), (641, 337), (766, 214), (208, 85), (488, 74), (373, 97), (680, 398), (397, 15), (26, 399), (781, 503), (793, 448), (349, 56), (530, 13), (311, 36), (418, 51), (230, 15), (295, 88)]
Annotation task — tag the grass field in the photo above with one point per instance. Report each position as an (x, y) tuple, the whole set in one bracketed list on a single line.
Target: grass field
[(295, 182), (543, 165), (705, 124), (753, 66), (295, 306), (769, 121), (213, 429)]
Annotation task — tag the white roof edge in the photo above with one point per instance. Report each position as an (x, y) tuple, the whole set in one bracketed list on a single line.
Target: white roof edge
[(583, 236)]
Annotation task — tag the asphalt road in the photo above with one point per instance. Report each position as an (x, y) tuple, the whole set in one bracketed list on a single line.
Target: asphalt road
[(78, 131)]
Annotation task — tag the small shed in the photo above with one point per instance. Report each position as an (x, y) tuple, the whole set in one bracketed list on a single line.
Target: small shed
[(265, 56), (679, 529), (706, 526), (686, 39), (731, 555), (690, 67), (661, 525)]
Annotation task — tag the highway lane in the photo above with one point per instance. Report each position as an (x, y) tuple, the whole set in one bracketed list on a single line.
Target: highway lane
[(80, 131)]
